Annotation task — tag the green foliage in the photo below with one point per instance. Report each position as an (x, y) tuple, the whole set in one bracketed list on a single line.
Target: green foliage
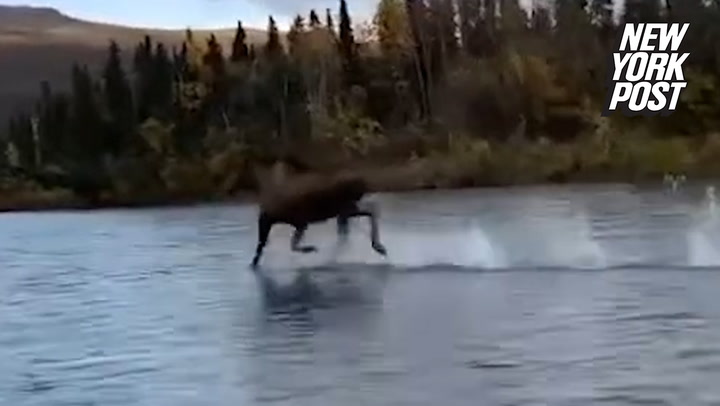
[(355, 133)]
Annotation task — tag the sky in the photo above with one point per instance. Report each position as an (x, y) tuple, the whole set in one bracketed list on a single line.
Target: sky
[(196, 13)]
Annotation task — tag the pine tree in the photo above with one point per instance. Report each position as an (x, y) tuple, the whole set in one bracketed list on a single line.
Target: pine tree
[(540, 21), (240, 50), (642, 11), (143, 69), (513, 20), (314, 19), (273, 47), (87, 144), (252, 54), (213, 58), (329, 22), (118, 101), (46, 122), (417, 16), (162, 82), (295, 35), (602, 14), (348, 52), (470, 13), (180, 64), (347, 40), (444, 42), (214, 61), (490, 18), (55, 145), (21, 138)]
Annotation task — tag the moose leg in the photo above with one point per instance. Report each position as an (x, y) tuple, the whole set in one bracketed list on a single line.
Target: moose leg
[(297, 238), (369, 210), (343, 228), (264, 227)]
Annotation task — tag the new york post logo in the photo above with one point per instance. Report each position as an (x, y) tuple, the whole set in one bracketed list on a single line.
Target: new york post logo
[(648, 74)]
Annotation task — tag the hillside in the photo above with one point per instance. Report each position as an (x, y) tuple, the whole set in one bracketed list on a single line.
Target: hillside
[(42, 43)]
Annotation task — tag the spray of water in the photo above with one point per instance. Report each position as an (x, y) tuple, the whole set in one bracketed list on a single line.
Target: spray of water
[(564, 242), (704, 251)]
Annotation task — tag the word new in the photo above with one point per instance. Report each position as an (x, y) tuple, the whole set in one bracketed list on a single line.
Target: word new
[(648, 73)]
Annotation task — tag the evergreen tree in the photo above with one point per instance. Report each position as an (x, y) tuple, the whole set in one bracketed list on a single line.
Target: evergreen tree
[(143, 70), (294, 36), (21, 137), (180, 64), (513, 21), (162, 82), (252, 54), (540, 21), (87, 147), (44, 110), (490, 18), (314, 19), (55, 144), (329, 23), (642, 11), (444, 42), (240, 51), (118, 101), (602, 12), (273, 47), (214, 61), (469, 12), (417, 15), (348, 51)]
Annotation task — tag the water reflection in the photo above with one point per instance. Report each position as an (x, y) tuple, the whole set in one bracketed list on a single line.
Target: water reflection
[(297, 297)]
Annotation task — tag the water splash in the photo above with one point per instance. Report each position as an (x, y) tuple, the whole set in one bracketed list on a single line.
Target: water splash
[(711, 198), (702, 246), (553, 233), (674, 181), (408, 246), (566, 242)]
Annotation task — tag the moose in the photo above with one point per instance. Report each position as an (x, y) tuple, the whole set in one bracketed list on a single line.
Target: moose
[(296, 196)]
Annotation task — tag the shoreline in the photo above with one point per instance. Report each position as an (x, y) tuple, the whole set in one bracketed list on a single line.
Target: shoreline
[(249, 197)]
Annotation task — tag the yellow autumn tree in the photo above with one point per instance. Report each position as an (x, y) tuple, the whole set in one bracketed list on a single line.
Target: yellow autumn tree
[(393, 28)]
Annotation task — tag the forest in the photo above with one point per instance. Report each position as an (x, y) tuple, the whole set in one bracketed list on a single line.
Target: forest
[(429, 94)]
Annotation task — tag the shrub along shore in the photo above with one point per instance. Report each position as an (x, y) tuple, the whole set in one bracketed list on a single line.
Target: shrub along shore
[(463, 162)]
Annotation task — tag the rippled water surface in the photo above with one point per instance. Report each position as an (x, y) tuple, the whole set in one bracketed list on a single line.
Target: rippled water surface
[(527, 296)]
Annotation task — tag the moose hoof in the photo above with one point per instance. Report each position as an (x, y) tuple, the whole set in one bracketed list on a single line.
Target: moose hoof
[(380, 249), (306, 250)]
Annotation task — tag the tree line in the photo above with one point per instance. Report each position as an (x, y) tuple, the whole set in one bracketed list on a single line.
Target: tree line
[(486, 68)]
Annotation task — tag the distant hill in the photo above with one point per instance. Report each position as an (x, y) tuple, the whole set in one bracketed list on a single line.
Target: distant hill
[(39, 43)]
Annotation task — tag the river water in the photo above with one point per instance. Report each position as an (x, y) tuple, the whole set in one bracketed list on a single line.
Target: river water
[(524, 296)]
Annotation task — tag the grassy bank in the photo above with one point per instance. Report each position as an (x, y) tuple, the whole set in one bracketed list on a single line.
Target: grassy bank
[(410, 162)]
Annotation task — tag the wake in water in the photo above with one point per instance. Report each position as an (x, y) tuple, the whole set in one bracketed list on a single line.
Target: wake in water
[(468, 246), (537, 233), (465, 247)]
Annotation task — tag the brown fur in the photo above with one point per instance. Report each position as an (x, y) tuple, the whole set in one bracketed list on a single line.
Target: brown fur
[(289, 196)]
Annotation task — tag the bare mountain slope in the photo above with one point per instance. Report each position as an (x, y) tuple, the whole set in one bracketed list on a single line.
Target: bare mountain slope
[(41, 44)]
